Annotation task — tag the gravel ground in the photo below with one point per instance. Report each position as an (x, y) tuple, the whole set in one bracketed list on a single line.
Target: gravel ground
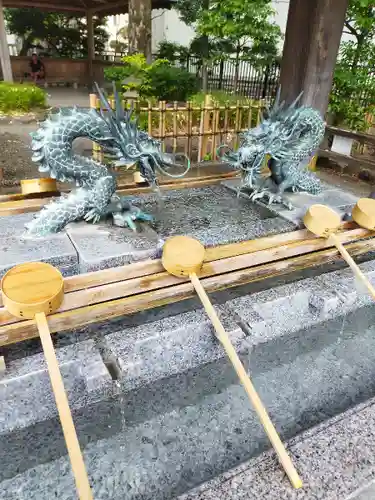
[(15, 154), (15, 158)]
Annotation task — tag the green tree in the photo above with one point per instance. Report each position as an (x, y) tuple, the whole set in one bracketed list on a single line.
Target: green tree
[(191, 11), (353, 91), (360, 24), (227, 27), (245, 26), (65, 35)]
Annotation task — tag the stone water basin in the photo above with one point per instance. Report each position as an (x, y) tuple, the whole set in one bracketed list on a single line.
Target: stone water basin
[(157, 406)]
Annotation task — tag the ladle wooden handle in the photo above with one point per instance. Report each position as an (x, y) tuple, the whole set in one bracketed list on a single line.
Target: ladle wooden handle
[(246, 382), (67, 424), (353, 266)]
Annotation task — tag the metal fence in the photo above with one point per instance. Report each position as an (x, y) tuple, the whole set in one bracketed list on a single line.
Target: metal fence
[(194, 130), (254, 82)]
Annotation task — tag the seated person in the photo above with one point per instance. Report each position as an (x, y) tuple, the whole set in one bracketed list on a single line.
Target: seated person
[(37, 70)]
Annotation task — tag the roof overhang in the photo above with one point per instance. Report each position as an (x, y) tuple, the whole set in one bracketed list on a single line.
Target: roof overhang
[(102, 7)]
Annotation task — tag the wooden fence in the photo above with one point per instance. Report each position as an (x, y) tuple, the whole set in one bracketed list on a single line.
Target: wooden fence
[(194, 130)]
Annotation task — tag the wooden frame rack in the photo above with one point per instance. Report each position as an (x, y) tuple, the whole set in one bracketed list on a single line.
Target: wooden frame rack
[(108, 294)]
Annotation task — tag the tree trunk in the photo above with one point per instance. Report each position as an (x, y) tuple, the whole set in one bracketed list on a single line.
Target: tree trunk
[(205, 53), (26, 45), (360, 42), (140, 28), (315, 28)]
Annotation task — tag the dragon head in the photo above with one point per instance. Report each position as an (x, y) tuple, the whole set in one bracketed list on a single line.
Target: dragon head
[(278, 127), (133, 146)]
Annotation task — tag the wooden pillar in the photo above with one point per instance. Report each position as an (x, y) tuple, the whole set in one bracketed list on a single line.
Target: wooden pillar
[(140, 28), (312, 40), (90, 46), (4, 49)]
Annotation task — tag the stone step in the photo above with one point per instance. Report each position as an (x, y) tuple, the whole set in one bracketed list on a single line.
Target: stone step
[(335, 460)]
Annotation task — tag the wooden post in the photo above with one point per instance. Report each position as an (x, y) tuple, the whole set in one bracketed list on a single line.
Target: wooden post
[(204, 127), (4, 49), (315, 27), (96, 149), (90, 46), (2, 365)]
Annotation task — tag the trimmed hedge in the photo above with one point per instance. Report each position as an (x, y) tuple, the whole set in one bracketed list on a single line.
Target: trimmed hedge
[(15, 97)]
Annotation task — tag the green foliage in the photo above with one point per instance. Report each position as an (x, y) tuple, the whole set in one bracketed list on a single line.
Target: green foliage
[(353, 91), (245, 25), (65, 35), (240, 27), (172, 52), (15, 98), (167, 83), (159, 80), (221, 98)]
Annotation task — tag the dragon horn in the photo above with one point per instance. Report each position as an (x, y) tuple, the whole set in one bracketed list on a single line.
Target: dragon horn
[(120, 115), (294, 103), (103, 100)]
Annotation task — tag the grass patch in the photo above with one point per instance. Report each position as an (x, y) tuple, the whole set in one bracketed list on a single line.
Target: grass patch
[(18, 98)]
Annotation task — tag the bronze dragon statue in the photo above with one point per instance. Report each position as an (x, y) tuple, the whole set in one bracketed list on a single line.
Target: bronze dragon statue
[(289, 136), (95, 197)]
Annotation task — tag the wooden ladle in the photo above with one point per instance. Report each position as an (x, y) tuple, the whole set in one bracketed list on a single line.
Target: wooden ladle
[(183, 257), (323, 221), (32, 291)]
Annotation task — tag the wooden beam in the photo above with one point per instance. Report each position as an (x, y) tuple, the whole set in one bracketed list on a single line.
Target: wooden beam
[(105, 311), (44, 6), (105, 291), (125, 288), (109, 6)]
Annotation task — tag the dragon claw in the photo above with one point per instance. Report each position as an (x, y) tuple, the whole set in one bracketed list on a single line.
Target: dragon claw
[(271, 198), (92, 215)]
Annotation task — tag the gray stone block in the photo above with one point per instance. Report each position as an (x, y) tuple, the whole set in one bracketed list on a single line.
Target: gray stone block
[(284, 309), (167, 347), (25, 392), (176, 415), (103, 245), (56, 249), (335, 460), (335, 197)]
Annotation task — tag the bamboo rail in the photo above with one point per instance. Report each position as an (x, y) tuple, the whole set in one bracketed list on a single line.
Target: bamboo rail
[(111, 293), (196, 130)]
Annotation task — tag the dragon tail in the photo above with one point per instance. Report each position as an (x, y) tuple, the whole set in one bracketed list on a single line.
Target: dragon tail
[(57, 214)]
